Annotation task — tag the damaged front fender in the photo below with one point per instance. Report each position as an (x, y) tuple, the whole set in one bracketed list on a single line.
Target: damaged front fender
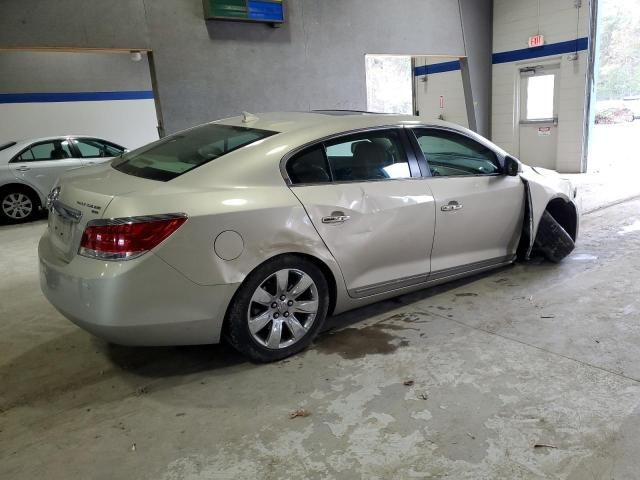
[(546, 190)]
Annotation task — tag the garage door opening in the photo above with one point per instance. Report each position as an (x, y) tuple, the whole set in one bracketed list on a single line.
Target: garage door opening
[(430, 86), (108, 94), (615, 128)]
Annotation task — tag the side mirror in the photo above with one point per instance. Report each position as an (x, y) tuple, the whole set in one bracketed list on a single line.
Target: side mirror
[(511, 166)]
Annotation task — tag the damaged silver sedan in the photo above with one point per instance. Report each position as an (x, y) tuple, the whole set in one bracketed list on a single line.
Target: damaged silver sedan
[(256, 228)]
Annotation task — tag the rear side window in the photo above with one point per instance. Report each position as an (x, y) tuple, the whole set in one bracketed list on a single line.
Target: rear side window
[(309, 166), (53, 150), (177, 154), (376, 155), (92, 148)]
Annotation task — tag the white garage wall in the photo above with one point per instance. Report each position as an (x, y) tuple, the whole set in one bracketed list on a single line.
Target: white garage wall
[(436, 77), (56, 93), (130, 123), (559, 21)]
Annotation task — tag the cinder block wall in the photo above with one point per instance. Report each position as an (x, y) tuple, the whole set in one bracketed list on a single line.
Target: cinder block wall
[(208, 70), (514, 21)]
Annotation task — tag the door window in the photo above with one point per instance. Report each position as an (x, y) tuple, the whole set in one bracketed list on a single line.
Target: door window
[(540, 95), (92, 148), (452, 154), (377, 155), (309, 166), (54, 150)]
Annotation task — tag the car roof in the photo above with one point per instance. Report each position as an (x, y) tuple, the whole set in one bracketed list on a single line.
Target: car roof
[(323, 122), (28, 141)]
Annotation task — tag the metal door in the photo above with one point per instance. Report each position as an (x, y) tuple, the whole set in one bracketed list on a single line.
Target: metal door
[(538, 124)]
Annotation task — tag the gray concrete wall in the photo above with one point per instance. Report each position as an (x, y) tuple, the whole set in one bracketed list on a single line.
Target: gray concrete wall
[(28, 72), (477, 22), (207, 70)]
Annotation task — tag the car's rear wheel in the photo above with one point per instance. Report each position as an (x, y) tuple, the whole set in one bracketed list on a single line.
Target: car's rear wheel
[(279, 309), (553, 240), (18, 205)]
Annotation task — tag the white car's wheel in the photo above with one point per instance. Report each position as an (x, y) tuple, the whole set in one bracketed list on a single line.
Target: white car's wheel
[(18, 205), (279, 309)]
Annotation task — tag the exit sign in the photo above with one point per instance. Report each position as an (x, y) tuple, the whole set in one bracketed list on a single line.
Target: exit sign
[(536, 41)]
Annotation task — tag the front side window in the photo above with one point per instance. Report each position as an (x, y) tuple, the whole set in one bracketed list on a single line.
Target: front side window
[(452, 154), (376, 155), (175, 155), (92, 148), (53, 150)]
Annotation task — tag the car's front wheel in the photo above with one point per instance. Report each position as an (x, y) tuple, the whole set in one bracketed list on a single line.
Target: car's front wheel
[(553, 240), (18, 205), (279, 309)]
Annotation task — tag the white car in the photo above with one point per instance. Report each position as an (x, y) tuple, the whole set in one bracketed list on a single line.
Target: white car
[(256, 228), (29, 169)]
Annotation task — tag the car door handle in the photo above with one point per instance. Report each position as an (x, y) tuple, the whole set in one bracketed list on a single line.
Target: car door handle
[(23, 168), (336, 217), (451, 206)]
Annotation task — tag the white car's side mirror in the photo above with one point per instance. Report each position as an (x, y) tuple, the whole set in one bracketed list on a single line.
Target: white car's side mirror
[(511, 166)]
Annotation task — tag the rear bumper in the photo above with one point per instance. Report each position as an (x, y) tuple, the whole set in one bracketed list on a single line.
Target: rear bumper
[(142, 302)]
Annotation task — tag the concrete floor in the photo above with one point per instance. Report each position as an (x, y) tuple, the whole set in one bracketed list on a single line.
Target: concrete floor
[(532, 354)]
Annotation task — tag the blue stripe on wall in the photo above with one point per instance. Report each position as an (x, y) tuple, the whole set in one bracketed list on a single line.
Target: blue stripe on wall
[(559, 48), (438, 68), (75, 96), (578, 44)]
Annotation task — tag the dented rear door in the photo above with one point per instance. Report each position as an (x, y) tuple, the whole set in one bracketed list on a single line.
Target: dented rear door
[(379, 232)]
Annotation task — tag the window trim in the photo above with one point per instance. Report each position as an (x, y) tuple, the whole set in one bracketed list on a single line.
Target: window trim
[(403, 136), (14, 159), (424, 163)]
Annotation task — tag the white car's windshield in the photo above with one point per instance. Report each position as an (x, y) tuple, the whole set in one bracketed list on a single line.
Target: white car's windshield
[(182, 152)]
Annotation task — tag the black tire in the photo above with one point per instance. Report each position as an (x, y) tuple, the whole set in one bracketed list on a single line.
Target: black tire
[(553, 240), (237, 331), (12, 216)]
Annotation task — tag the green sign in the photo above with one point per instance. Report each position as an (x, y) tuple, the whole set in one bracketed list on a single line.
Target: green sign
[(270, 11)]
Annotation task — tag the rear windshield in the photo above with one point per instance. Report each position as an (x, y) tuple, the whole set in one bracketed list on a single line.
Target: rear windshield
[(177, 154)]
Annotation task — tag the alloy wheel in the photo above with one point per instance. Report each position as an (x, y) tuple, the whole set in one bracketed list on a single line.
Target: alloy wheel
[(17, 206), (283, 308)]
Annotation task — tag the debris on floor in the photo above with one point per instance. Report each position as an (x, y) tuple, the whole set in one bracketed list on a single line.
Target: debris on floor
[(423, 396), (544, 445), (408, 383), (142, 390), (300, 412), (133, 447)]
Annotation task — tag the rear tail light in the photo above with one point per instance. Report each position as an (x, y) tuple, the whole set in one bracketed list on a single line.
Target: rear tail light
[(127, 238)]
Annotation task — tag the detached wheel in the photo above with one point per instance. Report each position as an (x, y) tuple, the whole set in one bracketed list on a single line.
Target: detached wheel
[(278, 310), (553, 240), (18, 205)]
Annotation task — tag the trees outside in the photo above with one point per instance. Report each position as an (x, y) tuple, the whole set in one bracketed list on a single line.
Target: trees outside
[(619, 43)]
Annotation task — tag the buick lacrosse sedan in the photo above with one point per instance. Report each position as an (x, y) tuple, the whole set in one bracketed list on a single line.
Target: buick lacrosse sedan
[(255, 228)]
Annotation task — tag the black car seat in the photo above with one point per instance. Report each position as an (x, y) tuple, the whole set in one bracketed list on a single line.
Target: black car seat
[(57, 153), (369, 160)]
